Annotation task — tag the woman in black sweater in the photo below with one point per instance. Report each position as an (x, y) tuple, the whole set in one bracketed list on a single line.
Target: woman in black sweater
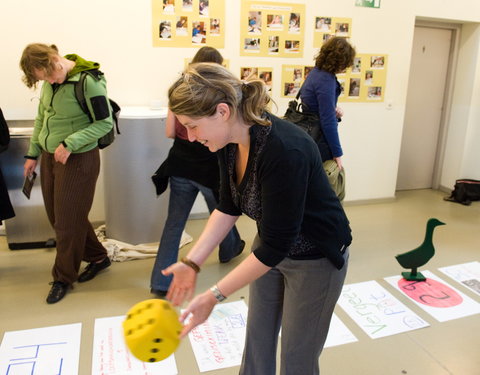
[(271, 171), (189, 168)]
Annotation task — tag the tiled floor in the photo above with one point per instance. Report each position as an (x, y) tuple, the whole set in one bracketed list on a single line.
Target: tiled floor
[(380, 231)]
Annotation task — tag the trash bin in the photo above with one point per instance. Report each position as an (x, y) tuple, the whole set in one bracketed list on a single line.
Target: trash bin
[(133, 212), (30, 228)]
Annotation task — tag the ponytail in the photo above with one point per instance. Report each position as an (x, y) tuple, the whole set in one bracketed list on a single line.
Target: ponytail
[(254, 102)]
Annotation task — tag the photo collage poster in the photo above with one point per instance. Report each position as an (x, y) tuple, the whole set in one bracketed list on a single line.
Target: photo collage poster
[(327, 27), (265, 74), (364, 82), (269, 29), (292, 79), (188, 23)]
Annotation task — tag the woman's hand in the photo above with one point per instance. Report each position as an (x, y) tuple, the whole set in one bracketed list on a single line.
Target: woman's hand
[(339, 162), (183, 283), (339, 112), (200, 309), (61, 154), (29, 167)]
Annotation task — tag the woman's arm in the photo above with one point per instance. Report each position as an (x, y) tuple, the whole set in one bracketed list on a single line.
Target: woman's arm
[(326, 98), (97, 102), (202, 305), (184, 277), (34, 149)]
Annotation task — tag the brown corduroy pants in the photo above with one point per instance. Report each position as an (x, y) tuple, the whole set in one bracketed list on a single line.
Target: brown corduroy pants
[(68, 192)]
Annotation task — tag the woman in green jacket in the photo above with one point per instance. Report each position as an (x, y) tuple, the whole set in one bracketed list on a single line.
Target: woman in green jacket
[(66, 140)]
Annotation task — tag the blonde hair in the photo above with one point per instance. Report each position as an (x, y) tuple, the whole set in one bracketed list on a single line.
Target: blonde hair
[(37, 56), (203, 86)]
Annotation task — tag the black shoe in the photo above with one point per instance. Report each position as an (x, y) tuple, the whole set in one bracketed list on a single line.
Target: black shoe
[(240, 249), (92, 269), (162, 294), (57, 292)]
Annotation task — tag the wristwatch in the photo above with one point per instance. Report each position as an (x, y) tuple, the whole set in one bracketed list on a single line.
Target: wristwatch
[(217, 294)]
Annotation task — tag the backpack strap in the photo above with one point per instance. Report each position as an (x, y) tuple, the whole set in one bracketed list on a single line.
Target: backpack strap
[(80, 90)]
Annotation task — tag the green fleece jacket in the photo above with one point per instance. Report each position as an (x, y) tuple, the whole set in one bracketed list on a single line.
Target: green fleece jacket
[(61, 119)]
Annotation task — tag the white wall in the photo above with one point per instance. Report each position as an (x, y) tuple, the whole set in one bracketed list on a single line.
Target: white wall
[(117, 34)]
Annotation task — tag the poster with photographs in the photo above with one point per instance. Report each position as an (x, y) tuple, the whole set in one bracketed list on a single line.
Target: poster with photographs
[(271, 29), (249, 73), (365, 80), (188, 23), (326, 27), (292, 79)]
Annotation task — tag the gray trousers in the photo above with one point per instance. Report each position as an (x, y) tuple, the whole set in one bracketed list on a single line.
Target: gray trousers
[(299, 296)]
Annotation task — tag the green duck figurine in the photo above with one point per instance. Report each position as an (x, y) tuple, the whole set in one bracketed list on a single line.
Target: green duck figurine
[(421, 255)]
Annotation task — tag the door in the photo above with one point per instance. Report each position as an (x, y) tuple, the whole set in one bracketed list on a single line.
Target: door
[(424, 107)]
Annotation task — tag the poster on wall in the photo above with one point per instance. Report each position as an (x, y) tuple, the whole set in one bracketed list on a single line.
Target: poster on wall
[(270, 29), (327, 27), (364, 82), (368, 3), (249, 73), (188, 23), (292, 79)]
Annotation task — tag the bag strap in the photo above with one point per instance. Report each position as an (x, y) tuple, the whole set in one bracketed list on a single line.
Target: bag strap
[(80, 96), (299, 91), (80, 90)]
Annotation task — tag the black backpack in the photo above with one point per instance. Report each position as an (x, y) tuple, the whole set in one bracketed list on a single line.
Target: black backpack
[(108, 138), (4, 133), (465, 191)]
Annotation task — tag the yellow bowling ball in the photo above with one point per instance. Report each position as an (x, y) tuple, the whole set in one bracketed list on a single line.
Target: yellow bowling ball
[(152, 330)]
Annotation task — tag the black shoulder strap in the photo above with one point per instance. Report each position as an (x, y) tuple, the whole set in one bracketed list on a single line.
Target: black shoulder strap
[(80, 90), (299, 91)]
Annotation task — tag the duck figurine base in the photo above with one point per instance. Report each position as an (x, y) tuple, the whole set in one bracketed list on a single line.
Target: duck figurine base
[(413, 276)]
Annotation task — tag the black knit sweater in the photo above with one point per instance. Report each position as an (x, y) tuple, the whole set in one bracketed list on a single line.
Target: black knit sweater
[(285, 190)]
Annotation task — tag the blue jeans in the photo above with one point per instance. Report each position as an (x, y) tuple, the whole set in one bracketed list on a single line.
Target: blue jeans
[(183, 193)]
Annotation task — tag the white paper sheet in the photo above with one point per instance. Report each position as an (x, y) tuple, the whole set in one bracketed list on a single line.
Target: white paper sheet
[(41, 351), (218, 343), (436, 297), (338, 334), (377, 311), (112, 357), (467, 274)]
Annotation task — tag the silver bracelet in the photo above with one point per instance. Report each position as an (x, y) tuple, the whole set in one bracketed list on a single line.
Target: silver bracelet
[(217, 294)]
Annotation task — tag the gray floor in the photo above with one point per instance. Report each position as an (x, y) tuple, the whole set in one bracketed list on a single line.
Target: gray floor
[(380, 231)]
